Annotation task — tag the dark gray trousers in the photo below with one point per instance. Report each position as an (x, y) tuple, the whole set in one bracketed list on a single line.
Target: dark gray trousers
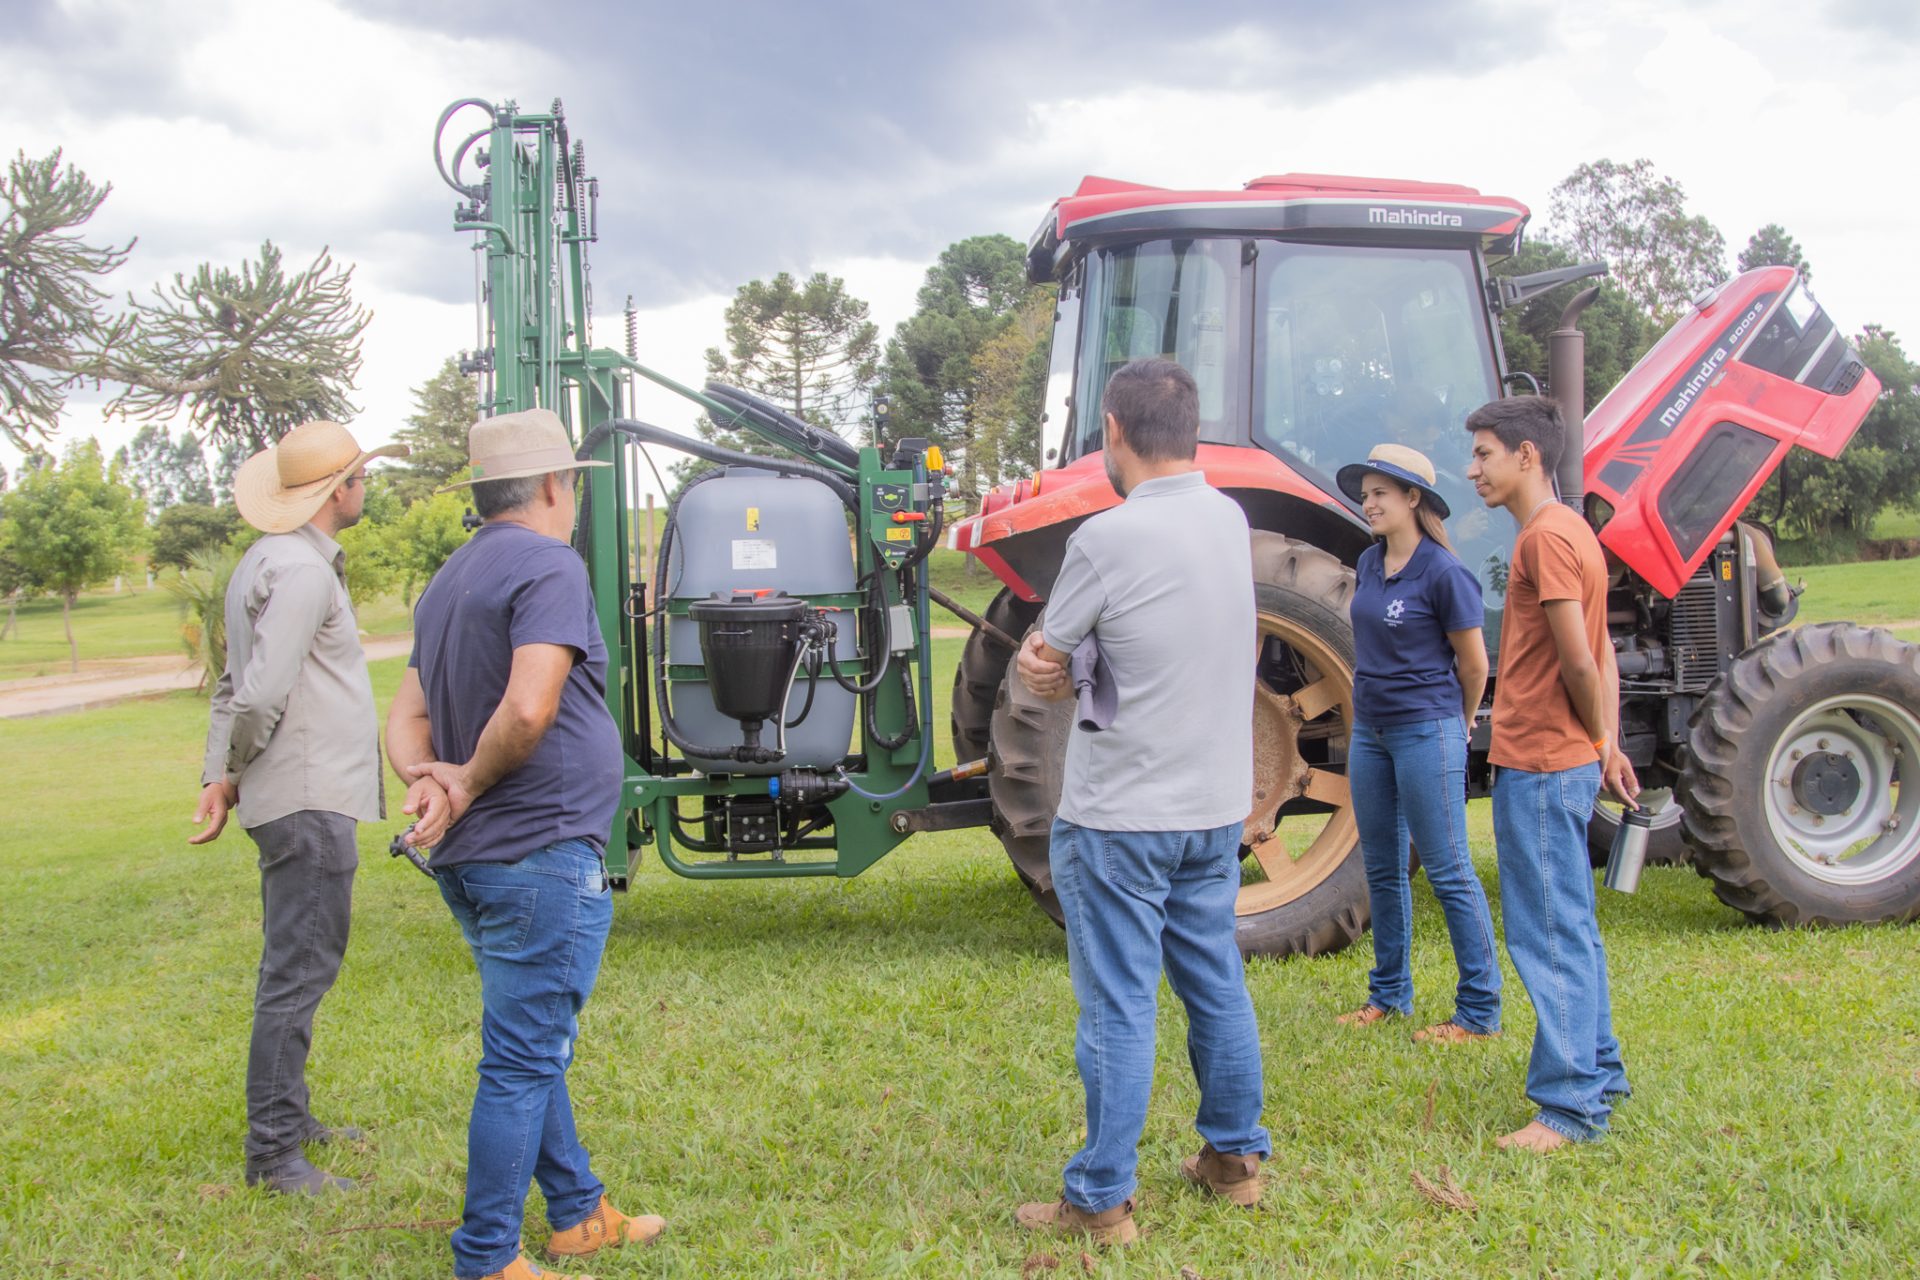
[(307, 861)]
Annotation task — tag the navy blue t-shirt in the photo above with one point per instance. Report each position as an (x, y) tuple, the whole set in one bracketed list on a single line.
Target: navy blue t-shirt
[(509, 586), (1403, 661)]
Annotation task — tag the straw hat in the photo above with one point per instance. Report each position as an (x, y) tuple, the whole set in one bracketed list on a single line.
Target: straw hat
[(282, 487), (532, 442), (1397, 462)]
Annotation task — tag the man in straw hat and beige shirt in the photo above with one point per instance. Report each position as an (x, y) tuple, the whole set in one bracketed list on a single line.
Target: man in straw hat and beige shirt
[(293, 752), (501, 728)]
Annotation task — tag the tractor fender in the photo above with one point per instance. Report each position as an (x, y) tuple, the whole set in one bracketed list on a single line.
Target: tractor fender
[(1020, 533)]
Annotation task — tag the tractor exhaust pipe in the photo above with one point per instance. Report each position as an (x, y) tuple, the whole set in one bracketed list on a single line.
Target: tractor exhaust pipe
[(1567, 375)]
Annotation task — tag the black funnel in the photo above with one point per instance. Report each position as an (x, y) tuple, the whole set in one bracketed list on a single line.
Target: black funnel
[(748, 640)]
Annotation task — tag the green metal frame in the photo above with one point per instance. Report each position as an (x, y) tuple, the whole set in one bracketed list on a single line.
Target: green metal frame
[(535, 232)]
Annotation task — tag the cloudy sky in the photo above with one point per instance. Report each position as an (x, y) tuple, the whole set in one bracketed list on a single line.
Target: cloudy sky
[(734, 140)]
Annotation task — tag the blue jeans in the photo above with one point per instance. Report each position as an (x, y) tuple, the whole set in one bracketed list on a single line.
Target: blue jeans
[(1546, 906), (537, 928), (1133, 901), (1411, 780)]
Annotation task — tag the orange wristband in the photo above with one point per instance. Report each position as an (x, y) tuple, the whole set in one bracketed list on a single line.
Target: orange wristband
[(1600, 745)]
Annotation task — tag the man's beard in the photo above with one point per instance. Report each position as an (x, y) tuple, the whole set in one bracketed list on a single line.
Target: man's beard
[(1113, 473)]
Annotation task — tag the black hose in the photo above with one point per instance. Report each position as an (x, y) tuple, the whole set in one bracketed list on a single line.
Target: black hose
[(714, 453), (795, 432), (667, 725)]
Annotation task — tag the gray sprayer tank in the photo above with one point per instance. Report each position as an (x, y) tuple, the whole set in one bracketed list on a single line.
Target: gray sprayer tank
[(748, 530)]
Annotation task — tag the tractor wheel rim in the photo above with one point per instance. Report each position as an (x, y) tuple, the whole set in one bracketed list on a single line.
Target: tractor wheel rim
[(1326, 703), (1877, 833)]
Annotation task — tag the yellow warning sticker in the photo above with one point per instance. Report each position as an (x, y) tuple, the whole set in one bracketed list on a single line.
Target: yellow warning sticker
[(753, 519), (899, 535), (1726, 570)]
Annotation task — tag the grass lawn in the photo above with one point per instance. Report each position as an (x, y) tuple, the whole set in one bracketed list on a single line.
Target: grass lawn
[(130, 624), (1882, 593), (862, 1078)]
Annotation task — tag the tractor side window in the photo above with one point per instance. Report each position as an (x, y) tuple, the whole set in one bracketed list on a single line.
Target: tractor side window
[(1177, 299)]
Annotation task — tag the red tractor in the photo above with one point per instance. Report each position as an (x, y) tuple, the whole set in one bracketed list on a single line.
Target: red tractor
[(1323, 315)]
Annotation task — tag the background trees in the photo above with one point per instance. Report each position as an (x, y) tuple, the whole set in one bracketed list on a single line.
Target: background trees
[(246, 352), (71, 526)]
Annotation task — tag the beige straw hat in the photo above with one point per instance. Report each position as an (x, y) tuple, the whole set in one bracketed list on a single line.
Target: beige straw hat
[(532, 442), (281, 487)]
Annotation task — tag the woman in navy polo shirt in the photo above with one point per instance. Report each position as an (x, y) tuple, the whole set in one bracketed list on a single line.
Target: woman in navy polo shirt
[(1420, 668)]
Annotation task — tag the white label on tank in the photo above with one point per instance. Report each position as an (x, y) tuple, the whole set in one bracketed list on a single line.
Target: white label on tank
[(754, 553)]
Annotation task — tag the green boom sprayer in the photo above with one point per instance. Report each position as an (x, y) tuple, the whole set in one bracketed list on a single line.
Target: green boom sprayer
[(772, 689)]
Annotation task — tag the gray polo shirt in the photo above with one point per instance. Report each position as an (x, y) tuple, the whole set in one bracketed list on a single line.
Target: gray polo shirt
[(293, 722), (1164, 582)]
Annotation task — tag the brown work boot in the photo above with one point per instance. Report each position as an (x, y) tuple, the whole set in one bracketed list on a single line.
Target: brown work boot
[(605, 1228), (1365, 1016), (1110, 1226), (522, 1269), (1451, 1033), (1235, 1178)]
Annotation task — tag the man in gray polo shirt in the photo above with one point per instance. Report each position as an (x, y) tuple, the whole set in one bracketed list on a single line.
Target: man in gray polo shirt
[(1146, 843)]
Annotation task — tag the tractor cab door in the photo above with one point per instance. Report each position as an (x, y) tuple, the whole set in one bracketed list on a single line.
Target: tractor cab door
[(1679, 448)]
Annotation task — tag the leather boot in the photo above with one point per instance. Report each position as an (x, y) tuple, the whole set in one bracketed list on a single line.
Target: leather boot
[(1109, 1226), (1235, 1178), (605, 1228)]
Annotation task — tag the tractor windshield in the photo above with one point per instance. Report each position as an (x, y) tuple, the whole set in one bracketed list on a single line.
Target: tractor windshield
[(1357, 346), (1314, 352)]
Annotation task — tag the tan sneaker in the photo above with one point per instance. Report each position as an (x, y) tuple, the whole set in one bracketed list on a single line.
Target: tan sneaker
[(1235, 1178), (521, 1269), (1110, 1226), (605, 1228)]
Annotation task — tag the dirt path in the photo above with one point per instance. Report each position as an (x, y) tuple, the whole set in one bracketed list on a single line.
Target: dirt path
[(101, 683)]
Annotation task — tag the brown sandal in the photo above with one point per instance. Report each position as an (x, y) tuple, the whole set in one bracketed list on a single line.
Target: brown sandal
[(1451, 1032), (1366, 1015)]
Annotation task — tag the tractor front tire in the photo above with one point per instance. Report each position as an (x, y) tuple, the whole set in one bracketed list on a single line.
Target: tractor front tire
[(983, 665), (1801, 789), (1304, 891)]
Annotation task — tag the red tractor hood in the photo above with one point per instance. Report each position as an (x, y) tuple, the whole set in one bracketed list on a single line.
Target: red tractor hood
[(1687, 438)]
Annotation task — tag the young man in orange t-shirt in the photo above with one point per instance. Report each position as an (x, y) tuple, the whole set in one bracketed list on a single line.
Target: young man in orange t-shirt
[(1556, 697)]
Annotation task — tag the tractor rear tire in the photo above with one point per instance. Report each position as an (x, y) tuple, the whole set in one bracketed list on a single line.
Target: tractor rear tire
[(1801, 789), (983, 665), (1312, 901)]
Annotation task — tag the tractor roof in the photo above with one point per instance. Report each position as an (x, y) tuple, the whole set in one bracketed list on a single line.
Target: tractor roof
[(1303, 205)]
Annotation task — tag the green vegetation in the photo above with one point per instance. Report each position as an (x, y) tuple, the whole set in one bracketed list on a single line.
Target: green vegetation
[(862, 1078), (132, 624)]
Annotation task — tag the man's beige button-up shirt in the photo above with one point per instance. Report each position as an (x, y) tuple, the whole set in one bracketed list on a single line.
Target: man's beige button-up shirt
[(293, 719)]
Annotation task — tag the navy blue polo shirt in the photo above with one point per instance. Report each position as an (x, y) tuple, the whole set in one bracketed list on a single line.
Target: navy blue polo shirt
[(1403, 662), (507, 587)]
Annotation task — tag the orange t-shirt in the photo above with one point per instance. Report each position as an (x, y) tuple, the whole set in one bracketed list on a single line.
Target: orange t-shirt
[(1535, 728)]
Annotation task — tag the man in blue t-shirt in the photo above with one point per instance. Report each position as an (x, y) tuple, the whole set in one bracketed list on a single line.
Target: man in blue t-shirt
[(513, 762)]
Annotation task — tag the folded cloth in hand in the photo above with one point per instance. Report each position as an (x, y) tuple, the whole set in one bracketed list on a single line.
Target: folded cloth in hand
[(1093, 685)]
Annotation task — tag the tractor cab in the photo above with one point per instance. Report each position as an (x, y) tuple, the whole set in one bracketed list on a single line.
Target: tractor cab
[(1319, 315)]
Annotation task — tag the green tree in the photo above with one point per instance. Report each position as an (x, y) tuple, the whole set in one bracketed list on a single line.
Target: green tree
[(424, 536), (1771, 246), (970, 295), (806, 346), (163, 470), (189, 527), (1636, 220), (1009, 392), (72, 526), (247, 353), (16, 584), (225, 465), (445, 405), (1618, 330)]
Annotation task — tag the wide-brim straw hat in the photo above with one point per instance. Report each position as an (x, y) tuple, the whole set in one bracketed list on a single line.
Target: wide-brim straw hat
[(1396, 462), (284, 486), (532, 442)]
